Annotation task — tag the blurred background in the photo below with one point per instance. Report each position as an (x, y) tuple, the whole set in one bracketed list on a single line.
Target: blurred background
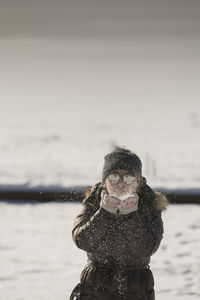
[(78, 77)]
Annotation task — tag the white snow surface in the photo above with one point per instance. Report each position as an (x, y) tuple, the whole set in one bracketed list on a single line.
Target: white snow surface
[(66, 102), (39, 260)]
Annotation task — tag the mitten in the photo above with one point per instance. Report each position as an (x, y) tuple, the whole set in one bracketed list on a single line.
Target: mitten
[(129, 204), (109, 202)]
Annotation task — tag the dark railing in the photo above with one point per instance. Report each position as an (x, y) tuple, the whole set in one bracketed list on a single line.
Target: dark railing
[(77, 195)]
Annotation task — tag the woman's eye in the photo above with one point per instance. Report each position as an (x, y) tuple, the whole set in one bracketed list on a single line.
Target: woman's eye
[(113, 177), (129, 178)]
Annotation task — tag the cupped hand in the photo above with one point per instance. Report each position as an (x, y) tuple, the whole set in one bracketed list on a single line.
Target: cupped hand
[(129, 204), (109, 202)]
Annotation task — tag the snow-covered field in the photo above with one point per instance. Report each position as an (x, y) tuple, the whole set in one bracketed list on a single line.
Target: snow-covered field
[(66, 102), (76, 79), (39, 260)]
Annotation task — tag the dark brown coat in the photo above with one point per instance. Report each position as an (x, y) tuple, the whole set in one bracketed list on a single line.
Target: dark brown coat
[(119, 247)]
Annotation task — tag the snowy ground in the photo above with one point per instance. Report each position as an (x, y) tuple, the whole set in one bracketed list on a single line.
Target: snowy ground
[(39, 261), (66, 102), (72, 86)]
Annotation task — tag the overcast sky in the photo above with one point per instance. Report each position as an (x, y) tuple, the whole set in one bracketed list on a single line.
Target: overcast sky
[(99, 18)]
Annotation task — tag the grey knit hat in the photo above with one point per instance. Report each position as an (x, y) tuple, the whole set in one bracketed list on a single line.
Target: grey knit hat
[(119, 159)]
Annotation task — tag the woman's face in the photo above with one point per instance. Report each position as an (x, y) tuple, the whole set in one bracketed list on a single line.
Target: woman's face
[(126, 183)]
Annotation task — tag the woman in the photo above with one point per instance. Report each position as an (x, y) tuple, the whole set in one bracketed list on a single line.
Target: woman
[(120, 227)]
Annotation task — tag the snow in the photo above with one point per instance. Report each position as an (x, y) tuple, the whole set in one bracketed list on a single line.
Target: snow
[(39, 260), (34, 154), (66, 102), (71, 88), (61, 112)]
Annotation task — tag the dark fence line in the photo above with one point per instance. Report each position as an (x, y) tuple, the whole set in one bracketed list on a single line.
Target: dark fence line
[(78, 196), (44, 196)]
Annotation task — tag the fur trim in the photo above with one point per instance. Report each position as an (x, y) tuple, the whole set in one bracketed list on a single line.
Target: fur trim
[(160, 201), (87, 191)]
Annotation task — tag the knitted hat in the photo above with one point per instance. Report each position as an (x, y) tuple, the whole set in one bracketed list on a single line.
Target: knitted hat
[(119, 159)]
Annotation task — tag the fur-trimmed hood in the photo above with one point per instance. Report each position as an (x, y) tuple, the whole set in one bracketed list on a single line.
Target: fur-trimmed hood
[(160, 202)]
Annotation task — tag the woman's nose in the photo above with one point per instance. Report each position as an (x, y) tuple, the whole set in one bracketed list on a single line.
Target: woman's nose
[(121, 182)]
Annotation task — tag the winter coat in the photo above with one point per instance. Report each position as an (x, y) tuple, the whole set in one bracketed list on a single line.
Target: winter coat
[(119, 247)]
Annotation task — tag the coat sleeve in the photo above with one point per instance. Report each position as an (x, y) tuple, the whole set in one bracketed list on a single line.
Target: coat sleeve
[(144, 235), (91, 227)]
